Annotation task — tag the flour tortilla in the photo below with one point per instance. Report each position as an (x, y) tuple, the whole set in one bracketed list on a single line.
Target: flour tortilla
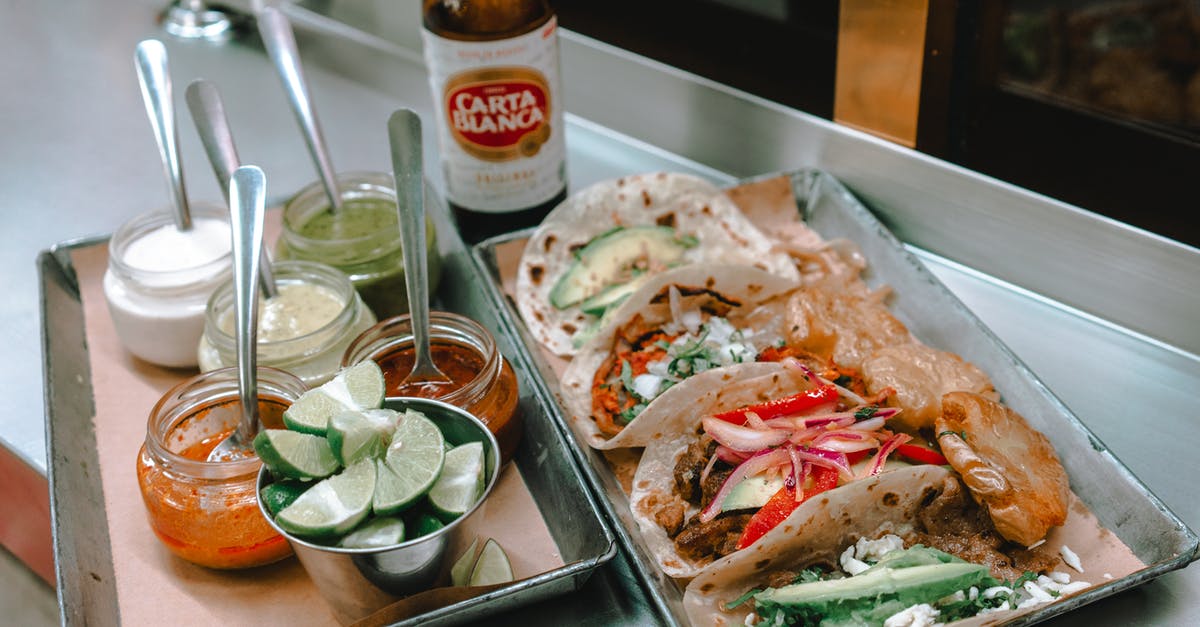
[(745, 284), (693, 206), (816, 533)]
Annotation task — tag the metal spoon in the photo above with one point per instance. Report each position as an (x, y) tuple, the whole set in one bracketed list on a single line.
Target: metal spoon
[(208, 112), (280, 41), (247, 206), (150, 59), (404, 134)]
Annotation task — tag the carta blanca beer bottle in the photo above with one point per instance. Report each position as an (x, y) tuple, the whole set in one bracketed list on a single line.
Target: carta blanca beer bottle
[(493, 67)]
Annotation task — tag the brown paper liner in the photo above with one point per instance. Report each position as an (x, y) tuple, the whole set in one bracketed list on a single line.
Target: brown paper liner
[(152, 584)]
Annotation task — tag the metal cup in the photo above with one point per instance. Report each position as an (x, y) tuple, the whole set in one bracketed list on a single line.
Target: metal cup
[(357, 582)]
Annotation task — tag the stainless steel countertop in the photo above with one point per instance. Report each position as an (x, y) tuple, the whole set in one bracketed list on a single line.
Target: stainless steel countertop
[(1108, 316)]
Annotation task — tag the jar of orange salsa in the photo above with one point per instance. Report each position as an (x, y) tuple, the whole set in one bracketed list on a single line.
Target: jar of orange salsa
[(207, 512), (482, 380)]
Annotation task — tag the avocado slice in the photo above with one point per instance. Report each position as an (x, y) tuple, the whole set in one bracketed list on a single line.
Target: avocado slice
[(752, 492), (872, 596), (610, 259)]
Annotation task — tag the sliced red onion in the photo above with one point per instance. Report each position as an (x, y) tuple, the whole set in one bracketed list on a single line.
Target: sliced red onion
[(753, 466), (743, 439), (827, 459), (870, 424), (800, 470), (730, 456), (712, 461), (800, 373), (881, 456), (753, 421)]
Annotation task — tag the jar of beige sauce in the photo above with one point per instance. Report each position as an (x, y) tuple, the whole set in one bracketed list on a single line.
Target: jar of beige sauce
[(303, 330)]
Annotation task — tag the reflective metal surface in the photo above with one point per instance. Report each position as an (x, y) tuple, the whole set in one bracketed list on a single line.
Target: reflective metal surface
[(1103, 313)]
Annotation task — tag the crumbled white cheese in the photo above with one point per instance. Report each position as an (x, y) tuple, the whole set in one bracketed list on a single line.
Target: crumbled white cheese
[(874, 550), (850, 564), (973, 593), (1070, 558), (1108, 575), (999, 608), (995, 591), (953, 598), (1059, 577), (920, 615)]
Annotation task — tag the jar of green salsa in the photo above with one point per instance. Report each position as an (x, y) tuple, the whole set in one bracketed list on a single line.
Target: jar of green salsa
[(362, 239)]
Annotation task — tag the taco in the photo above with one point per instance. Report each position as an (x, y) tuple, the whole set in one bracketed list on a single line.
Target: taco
[(906, 547), (683, 323), (721, 472), (598, 246)]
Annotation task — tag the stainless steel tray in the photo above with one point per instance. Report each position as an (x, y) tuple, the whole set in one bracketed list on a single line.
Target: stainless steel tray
[(1120, 501), (87, 588)]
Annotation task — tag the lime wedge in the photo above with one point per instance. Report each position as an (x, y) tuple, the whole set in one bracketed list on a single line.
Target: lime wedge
[(427, 524), (333, 506), (460, 572), (375, 533), (492, 567), (295, 455), (413, 462), (461, 482), (354, 435), (355, 388), (278, 495)]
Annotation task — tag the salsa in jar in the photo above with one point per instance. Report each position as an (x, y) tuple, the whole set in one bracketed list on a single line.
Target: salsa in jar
[(361, 239), (207, 512), (482, 380)]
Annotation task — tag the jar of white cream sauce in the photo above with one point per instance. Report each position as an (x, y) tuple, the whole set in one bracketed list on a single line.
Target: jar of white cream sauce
[(159, 280)]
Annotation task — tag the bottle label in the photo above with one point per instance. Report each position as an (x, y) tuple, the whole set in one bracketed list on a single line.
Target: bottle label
[(500, 121)]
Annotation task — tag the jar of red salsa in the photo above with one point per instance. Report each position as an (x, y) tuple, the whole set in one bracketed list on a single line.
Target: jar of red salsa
[(207, 512), (483, 382)]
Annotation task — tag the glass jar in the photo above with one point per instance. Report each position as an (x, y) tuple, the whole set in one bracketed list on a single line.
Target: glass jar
[(362, 240), (484, 382), (159, 279), (313, 356), (207, 512)]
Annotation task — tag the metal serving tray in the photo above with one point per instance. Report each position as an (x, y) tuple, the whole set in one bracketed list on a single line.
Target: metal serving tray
[(1120, 501), (87, 590)]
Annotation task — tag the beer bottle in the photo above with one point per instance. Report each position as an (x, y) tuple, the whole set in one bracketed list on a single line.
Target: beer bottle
[(493, 68)]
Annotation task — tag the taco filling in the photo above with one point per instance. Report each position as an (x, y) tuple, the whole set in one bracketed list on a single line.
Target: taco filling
[(748, 469), (647, 359), (880, 582)]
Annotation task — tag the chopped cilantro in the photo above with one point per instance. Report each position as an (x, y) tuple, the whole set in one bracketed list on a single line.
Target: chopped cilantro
[(742, 599), (866, 412), (809, 575), (663, 344), (627, 378), (626, 416)]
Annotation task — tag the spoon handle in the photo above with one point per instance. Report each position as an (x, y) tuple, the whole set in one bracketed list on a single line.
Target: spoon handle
[(247, 206), (280, 41), (208, 112), (150, 59), (404, 133)]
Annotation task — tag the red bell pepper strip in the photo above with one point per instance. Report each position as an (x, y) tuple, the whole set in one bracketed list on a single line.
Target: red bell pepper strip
[(921, 455), (783, 503), (795, 403)]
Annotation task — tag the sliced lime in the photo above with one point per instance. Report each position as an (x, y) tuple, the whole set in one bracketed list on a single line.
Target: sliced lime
[(460, 572), (354, 435), (426, 524), (358, 387), (333, 506), (295, 455), (492, 567), (461, 482), (377, 532), (280, 494), (414, 458)]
